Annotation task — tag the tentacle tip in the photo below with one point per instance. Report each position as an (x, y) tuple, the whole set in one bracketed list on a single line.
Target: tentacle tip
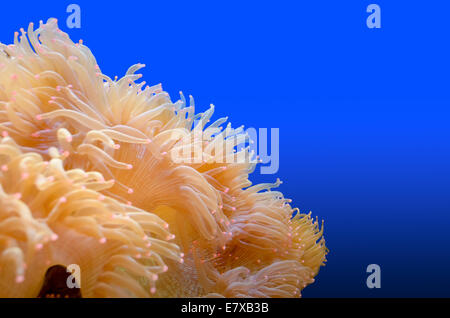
[(20, 279)]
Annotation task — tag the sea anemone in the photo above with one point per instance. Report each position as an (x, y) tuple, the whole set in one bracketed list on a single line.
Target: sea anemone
[(91, 161)]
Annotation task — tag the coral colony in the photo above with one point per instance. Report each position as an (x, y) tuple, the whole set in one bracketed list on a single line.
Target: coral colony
[(89, 180)]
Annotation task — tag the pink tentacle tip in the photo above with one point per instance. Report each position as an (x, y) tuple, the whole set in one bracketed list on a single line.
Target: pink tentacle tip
[(54, 237), (102, 240), (38, 117), (20, 279)]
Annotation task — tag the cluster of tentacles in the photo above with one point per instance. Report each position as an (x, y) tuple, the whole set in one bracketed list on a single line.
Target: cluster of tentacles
[(87, 178)]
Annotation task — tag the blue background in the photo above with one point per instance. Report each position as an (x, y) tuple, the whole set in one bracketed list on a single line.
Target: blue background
[(363, 114)]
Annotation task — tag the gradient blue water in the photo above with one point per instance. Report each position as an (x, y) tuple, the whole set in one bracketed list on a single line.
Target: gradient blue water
[(363, 114)]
